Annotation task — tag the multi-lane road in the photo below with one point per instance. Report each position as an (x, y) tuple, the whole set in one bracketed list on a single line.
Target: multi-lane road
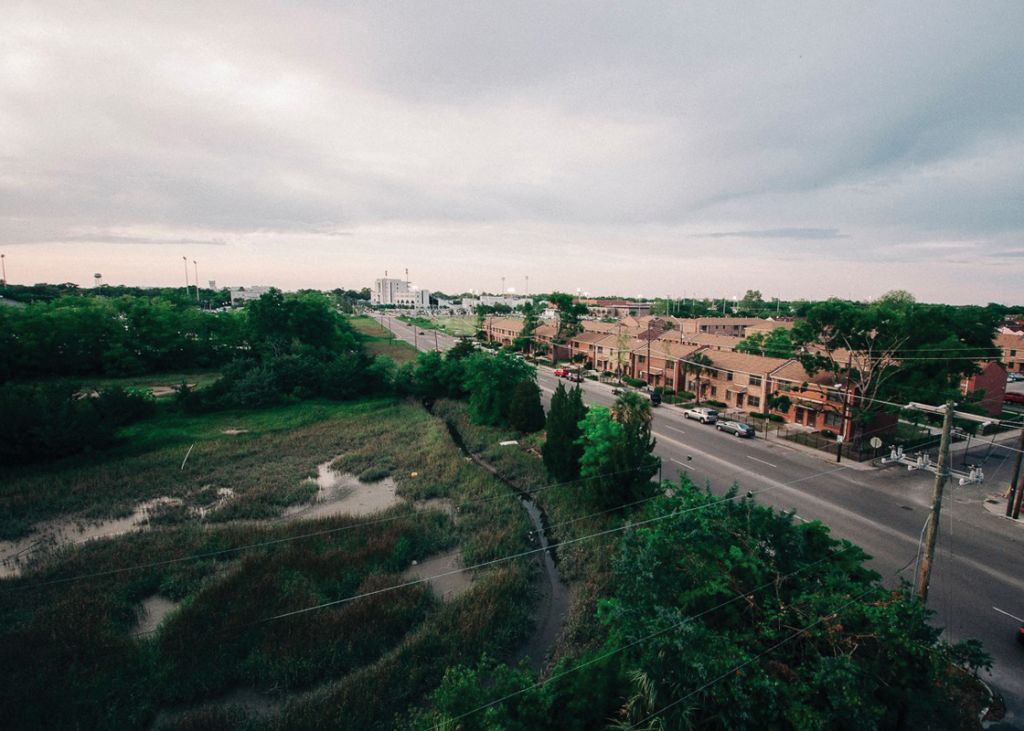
[(977, 587)]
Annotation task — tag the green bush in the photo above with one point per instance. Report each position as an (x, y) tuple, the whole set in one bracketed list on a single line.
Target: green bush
[(634, 382)]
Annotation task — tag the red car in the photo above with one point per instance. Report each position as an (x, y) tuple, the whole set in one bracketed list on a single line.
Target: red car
[(561, 372), (1012, 397)]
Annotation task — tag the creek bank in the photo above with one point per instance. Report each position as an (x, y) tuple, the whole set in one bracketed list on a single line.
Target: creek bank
[(555, 597)]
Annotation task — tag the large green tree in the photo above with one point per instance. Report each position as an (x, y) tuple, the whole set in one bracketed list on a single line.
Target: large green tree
[(525, 412), (775, 343), (491, 382), (562, 450), (569, 313), (735, 617), (618, 459)]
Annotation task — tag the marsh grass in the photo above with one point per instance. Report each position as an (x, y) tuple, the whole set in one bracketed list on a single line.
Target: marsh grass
[(88, 671)]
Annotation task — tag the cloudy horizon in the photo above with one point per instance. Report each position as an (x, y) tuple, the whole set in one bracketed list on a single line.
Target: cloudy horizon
[(800, 149)]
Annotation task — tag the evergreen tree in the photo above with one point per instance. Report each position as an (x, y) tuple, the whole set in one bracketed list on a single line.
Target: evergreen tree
[(562, 451), (525, 412)]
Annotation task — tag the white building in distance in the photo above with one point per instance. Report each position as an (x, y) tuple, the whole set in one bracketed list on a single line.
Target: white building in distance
[(398, 293), (241, 295)]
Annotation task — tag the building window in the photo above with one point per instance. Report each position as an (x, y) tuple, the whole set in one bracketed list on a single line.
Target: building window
[(755, 380), (728, 375), (834, 396), (670, 364), (640, 358), (714, 391), (753, 400), (833, 419), (669, 382)]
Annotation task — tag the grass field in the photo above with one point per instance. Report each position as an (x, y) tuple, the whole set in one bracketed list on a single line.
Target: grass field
[(378, 341), (457, 326), (73, 613)]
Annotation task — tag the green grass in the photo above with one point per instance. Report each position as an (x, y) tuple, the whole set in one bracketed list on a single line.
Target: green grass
[(379, 341), (87, 671)]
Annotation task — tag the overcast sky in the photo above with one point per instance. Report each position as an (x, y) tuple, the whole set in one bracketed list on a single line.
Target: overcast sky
[(802, 149)]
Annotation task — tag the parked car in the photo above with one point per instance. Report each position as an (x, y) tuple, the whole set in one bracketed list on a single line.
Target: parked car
[(701, 414), (1014, 398), (1014, 377), (1020, 634), (575, 377), (736, 427), (617, 391), (655, 398), (561, 372)]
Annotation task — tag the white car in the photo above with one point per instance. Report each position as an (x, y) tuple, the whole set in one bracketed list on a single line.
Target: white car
[(701, 414)]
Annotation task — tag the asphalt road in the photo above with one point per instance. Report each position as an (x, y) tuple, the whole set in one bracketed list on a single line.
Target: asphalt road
[(976, 580)]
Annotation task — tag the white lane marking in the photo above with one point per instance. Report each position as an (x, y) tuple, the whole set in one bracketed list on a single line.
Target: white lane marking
[(761, 461), (1018, 619), (681, 464), (673, 428)]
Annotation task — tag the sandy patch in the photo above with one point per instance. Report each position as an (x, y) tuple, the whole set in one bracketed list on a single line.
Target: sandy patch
[(152, 612), (341, 493), (234, 430), (448, 581)]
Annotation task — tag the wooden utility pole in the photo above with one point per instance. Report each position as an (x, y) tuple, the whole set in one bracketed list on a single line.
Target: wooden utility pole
[(846, 405), (924, 575), (1011, 494)]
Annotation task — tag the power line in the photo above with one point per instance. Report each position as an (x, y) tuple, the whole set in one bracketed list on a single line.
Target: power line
[(530, 552), (313, 534), (641, 640), (757, 657)]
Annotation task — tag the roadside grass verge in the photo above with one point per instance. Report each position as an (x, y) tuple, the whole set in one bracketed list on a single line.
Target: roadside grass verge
[(379, 341), (78, 632)]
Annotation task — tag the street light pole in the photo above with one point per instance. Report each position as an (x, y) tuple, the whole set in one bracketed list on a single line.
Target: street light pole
[(3, 270), (941, 473), (197, 278), (185, 259)]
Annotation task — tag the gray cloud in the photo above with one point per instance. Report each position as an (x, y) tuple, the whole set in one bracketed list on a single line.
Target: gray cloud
[(586, 126), (813, 234)]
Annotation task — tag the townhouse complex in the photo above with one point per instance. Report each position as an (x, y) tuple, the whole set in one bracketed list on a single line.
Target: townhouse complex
[(698, 356)]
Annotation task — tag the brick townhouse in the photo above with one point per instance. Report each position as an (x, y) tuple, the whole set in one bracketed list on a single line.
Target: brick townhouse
[(1012, 346), (990, 383), (816, 401), (735, 326), (739, 380), (503, 330), (711, 342), (660, 362)]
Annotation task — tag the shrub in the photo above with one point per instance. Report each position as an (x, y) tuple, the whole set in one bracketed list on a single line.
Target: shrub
[(634, 382), (716, 404)]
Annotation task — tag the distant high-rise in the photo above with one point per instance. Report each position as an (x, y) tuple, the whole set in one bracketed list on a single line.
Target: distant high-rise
[(398, 292)]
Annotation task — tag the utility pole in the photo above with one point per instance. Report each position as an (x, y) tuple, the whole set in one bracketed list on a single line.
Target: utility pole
[(197, 279), (942, 472), (1012, 493), (185, 259), (3, 270), (846, 404)]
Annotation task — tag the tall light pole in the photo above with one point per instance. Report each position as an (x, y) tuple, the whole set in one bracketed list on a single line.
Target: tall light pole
[(185, 259), (3, 270), (197, 278)]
